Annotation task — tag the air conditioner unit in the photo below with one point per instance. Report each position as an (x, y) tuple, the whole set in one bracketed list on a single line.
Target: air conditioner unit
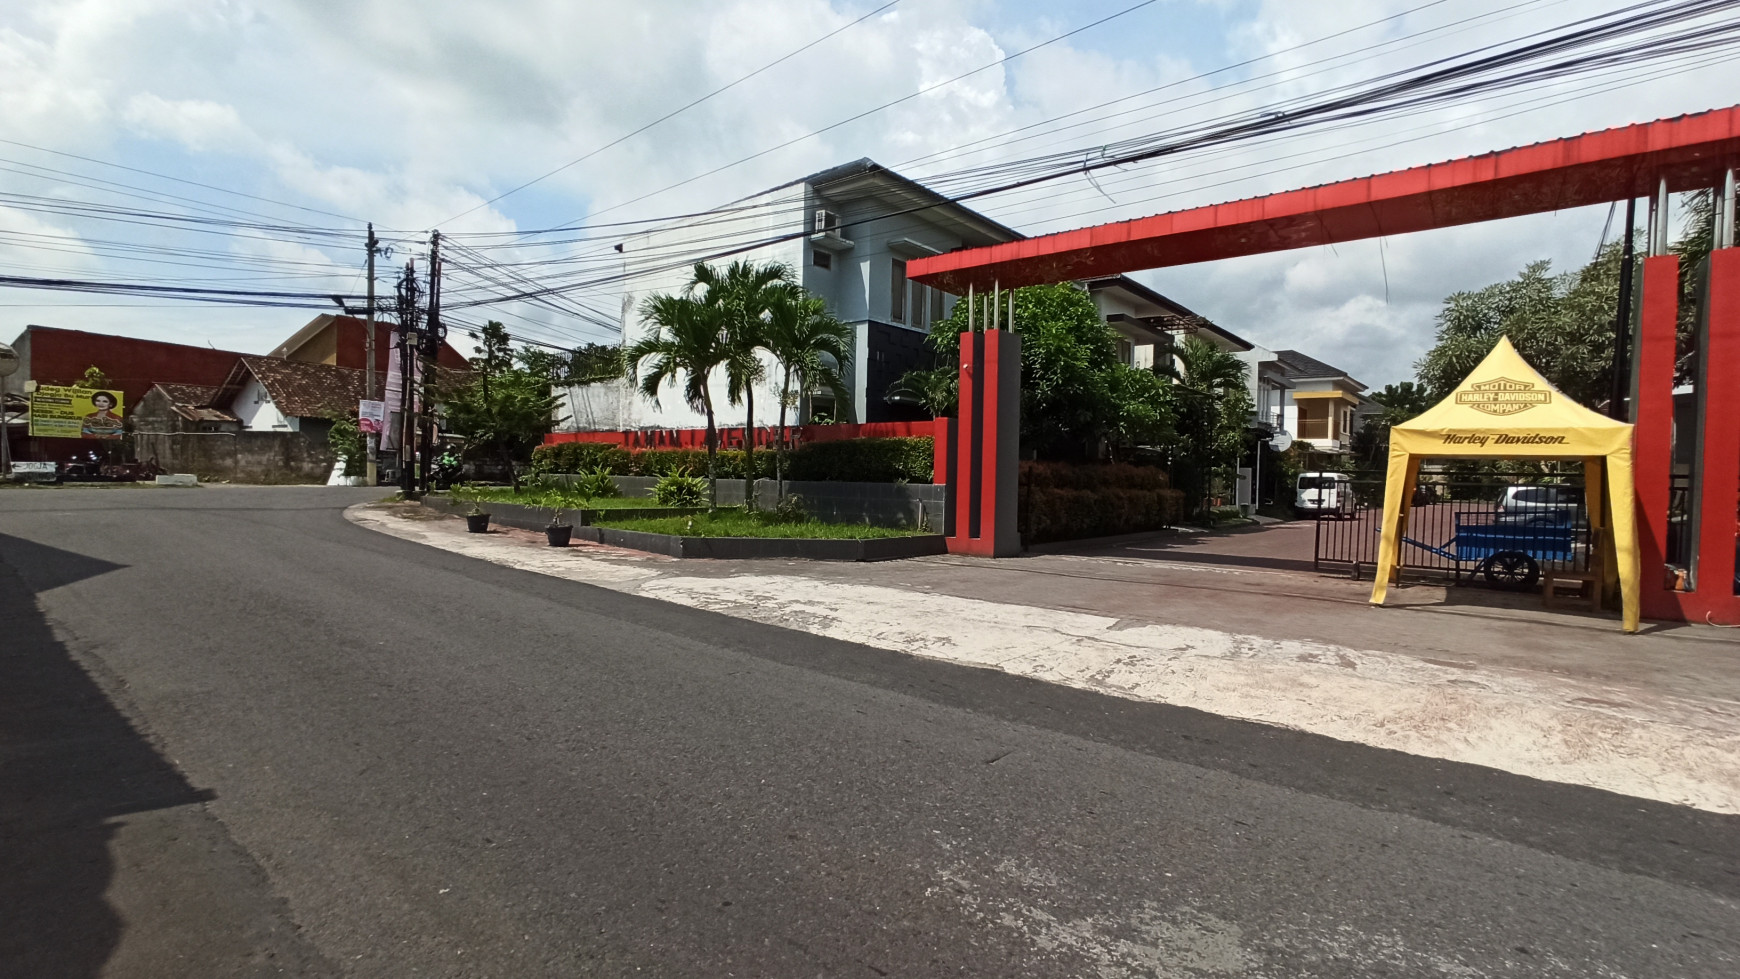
[(827, 222)]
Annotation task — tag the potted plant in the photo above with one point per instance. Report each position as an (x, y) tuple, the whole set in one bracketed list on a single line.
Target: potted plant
[(477, 521), (558, 533)]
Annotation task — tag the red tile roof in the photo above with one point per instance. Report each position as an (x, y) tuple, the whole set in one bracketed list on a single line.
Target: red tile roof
[(300, 389)]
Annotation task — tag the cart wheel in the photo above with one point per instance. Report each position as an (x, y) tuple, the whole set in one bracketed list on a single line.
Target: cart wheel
[(1512, 570)]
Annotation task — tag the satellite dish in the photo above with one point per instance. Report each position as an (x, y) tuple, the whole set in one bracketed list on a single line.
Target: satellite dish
[(8, 361), (1281, 442)]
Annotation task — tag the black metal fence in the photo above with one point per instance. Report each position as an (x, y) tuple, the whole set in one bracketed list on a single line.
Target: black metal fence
[(1503, 532)]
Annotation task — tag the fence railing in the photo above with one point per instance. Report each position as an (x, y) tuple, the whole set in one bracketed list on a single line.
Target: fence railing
[(1477, 531)]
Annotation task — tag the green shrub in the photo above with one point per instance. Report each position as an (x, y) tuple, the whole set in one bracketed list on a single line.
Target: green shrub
[(348, 444), (579, 457), (1061, 501), (680, 489), (790, 509), (595, 485), (888, 460)]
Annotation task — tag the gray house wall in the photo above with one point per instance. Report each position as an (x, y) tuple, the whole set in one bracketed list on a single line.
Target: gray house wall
[(228, 454)]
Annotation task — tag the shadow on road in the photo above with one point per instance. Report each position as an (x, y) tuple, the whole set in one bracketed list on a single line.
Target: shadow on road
[(69, 763)]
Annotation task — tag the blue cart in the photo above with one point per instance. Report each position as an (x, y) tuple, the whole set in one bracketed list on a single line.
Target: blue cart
[(1509, 555)]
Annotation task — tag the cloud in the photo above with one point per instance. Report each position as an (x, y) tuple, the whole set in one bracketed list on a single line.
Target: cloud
[(409, 112)]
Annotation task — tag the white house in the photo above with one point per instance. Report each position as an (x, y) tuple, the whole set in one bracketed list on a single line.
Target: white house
[(1322, 405), (847, 233)]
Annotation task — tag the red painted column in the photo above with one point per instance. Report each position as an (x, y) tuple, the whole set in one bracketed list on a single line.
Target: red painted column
[(986, 444), (1653, 408), (1719, 468), (989, 428), (966, 475)]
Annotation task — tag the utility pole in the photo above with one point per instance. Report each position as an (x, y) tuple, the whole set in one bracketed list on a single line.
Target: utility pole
[(432, 335), (369, 353), (408, 347), (8, 366), (1616, 402)]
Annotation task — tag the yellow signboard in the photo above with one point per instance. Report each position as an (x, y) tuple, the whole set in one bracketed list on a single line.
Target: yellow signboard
[(75, 413)]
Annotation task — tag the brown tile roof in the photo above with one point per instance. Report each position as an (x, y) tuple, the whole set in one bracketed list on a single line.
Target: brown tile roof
[(194, 402), (301, 389)]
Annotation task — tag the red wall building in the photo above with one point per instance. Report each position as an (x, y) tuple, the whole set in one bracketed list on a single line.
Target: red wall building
[(55, 356), (49, 355)]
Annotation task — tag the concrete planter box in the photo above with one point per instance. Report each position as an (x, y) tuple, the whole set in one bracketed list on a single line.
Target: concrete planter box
[(524, 517), (884, 504), (741, 548)]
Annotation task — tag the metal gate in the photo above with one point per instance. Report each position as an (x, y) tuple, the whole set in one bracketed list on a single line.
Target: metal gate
[(1505, 531)]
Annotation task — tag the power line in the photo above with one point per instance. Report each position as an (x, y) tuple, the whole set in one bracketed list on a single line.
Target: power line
[(675, 112), (179, 180), (886, 105)]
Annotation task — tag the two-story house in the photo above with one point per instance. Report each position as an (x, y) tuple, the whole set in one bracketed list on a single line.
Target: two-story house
[(1323, 404), (847, 234)]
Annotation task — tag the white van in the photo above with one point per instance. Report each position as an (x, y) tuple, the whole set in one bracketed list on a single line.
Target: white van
[(1324, 495)]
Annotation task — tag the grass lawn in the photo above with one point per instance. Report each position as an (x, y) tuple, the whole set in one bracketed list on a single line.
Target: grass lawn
[(549, 498), (736, 523)]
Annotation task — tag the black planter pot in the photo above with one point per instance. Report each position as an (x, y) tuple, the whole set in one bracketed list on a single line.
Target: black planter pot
[(477, 523), (558, 536)]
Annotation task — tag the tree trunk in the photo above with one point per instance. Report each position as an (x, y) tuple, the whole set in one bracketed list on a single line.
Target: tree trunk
[(712, 453), (513, 473), (749, 446), (779, 448)]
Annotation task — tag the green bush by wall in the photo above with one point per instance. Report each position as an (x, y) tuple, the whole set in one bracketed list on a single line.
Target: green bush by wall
[(578, 457), (1063, 501), (890, 460), (885, 460)]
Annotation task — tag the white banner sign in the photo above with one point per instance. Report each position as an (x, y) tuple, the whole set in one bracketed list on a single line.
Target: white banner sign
[(371, 416)]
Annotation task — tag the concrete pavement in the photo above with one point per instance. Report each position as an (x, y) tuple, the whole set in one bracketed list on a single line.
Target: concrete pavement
[(1497, 682), (365, 756)]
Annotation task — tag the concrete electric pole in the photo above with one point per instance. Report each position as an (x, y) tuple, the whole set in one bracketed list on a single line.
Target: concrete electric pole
[(8, 367), (369, 353)]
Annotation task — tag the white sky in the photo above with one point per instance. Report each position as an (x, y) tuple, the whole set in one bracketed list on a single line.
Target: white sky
[(409, 113)]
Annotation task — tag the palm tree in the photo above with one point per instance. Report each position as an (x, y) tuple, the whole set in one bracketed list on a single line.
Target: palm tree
[(1214, 382), (743, 293), (687, 341), (1210, 369), (803, 336)]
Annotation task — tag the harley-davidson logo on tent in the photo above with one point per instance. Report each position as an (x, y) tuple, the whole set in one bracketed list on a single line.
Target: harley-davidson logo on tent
[(1503, 396)]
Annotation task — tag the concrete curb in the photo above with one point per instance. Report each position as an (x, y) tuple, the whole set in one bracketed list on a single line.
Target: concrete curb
[(523, 516), (752, 548)]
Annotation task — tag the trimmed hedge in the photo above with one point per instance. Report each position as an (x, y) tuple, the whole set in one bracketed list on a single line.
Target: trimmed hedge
[(886, 460), (579, 457), (1061, 501), (889, 460)]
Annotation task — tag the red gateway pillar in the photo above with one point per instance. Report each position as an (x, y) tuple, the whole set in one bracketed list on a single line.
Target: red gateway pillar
[(985, 446), (1713, 509)]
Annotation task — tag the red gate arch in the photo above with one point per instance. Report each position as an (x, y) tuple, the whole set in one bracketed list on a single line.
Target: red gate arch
[(1645, 160)]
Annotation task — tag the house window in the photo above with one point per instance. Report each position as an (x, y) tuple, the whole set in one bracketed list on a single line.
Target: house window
[(821, 259), (919, 305), (897, 295), (936, 305), (1126, 353)]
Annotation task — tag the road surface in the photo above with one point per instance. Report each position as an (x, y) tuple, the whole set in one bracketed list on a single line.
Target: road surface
[(241, 736)]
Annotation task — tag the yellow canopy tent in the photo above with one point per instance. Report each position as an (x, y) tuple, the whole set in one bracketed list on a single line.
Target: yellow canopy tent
[(1505, 409)]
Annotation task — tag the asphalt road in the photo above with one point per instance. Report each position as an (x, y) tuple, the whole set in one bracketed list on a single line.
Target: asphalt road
[(240, 736)]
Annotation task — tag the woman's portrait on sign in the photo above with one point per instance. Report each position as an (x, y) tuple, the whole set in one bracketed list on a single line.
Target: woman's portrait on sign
[(104, 422)]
